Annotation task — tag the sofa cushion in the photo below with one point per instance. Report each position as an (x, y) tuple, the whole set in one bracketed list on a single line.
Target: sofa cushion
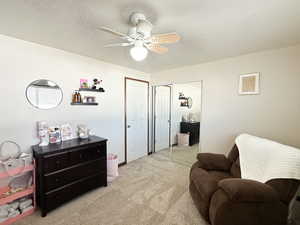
[(242, 190), (211, 161), (205, 183), (219, 175), (201, 204), (223, 211), (233, 154), (233, 157), (235, 169)]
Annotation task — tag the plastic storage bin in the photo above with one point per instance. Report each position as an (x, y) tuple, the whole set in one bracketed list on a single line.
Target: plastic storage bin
[(183, 139), (112, 167)]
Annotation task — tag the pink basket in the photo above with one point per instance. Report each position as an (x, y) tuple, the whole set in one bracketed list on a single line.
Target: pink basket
[(183, 139), (112, 167)]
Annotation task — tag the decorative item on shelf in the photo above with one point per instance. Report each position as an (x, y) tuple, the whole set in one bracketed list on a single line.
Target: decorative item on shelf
[(96, 85), (43, 133), (66, 132), (20, 182), (13, 161), (9, 150), (84, 83), (181, 96), (183, 103), (10, 158), (83, 131), (89, 99), (54, 134)]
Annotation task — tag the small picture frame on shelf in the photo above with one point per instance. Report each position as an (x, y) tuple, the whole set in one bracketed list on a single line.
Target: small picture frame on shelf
[(89, 99), (249, 84), (84, 83)]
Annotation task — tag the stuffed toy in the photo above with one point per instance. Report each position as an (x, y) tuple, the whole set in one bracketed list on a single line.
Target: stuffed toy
[(97, 84)]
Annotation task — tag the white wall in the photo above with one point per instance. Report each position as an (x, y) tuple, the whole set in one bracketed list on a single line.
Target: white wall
[(22, 62), (275, 113), (192, 90)]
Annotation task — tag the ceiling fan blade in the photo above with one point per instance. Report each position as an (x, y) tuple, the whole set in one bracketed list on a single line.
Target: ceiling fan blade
[(118, 45), (165, 38), (111, 31), (157, 48)]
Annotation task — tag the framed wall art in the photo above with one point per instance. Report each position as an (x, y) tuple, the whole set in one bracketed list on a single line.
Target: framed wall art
[(249, 84)]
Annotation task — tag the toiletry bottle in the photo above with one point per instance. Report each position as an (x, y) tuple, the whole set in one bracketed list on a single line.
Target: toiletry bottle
[(74, 97), (79, 98)]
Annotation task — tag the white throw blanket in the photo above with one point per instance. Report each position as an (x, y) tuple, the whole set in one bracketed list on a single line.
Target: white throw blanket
[(263, 160)]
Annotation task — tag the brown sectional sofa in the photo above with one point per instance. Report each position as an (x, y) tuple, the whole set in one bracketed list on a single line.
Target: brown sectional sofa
[(223, 198)]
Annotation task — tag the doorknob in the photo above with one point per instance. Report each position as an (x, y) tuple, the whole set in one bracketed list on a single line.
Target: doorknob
[(128, 126)]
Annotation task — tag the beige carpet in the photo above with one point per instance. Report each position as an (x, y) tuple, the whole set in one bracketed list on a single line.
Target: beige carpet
[(150, 191), (185, 155)]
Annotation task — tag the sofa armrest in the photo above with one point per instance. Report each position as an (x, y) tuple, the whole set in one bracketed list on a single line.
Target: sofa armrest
[(210, 161), (243, 190)]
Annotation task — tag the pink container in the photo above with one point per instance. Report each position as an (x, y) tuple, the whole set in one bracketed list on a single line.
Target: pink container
[(112, 167), (20, 194), (183, 139)]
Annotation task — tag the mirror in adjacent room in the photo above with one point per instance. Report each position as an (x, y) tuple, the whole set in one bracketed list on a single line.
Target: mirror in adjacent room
[(176, 124), (44, 94)]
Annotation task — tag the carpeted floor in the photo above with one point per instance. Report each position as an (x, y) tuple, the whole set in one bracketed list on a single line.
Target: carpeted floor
[(149, 191), (185, 155)]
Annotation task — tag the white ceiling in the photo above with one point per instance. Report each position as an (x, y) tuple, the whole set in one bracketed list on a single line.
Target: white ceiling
[(210, 29)]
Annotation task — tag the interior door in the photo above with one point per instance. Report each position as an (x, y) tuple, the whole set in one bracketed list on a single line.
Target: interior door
[(162, 117), (136, 119)]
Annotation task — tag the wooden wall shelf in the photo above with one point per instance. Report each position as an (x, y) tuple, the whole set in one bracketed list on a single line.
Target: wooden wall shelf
[(86, 103), (89, 89)]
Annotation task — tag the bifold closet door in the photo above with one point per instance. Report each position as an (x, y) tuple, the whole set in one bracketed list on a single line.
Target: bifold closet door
[(162, 117), (137, 112)]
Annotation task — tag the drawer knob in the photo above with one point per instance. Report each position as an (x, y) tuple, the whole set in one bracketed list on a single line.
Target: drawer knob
[(57, 162), (56, 179), (80, 156)]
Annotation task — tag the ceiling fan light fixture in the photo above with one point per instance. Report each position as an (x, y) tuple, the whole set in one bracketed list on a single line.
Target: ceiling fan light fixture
[(138, 53)]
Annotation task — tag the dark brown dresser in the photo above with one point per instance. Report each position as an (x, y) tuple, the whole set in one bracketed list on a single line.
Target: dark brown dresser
[(193, 128), (69, 169)]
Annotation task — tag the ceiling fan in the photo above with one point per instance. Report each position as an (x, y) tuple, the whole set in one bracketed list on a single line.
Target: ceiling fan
[(139, 36)]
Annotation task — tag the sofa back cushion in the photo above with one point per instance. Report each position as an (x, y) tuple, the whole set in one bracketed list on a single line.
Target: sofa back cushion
[(233, 156), (286, 188)]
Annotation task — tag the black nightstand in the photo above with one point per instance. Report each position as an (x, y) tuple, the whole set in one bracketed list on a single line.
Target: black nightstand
[(193, 128)]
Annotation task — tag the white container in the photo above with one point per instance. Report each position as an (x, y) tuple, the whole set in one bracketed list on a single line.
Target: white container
[(112, 167), (183, 139)]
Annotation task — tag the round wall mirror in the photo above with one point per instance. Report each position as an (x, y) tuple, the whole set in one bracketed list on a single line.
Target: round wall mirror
[(189, 102), (44, 94)]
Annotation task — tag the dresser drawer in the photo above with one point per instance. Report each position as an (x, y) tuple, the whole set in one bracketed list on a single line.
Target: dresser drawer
[(55, 162), (88, 153), (58, 197), (69, 175)]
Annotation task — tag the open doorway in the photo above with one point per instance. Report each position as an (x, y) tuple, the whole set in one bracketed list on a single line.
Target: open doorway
[(162, 117), (177, 120)]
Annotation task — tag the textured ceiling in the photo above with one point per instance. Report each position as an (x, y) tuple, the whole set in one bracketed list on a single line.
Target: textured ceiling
[(210, 29)]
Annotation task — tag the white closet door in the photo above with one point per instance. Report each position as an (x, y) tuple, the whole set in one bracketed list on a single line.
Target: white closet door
[(137, 119), (162, 117)]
